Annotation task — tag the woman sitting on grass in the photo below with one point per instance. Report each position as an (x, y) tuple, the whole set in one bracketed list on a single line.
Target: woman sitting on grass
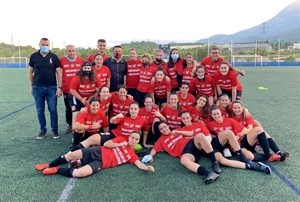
[(248, 143), (223, 130), (113, 153)]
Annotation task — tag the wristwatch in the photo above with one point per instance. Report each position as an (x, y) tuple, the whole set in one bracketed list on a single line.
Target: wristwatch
[(59, 87)]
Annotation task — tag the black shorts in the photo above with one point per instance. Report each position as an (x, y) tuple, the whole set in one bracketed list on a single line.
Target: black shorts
[(190, 148), (246, 145), (160, 100), (217, 145), (105, 137), (92, 156), (79, 137), (75, 104)]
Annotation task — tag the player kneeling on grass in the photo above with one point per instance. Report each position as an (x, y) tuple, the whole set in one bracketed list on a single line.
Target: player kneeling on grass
[(113, 153), (187, 149)]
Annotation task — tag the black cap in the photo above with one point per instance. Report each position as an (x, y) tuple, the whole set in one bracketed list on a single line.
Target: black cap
[(86, 63)]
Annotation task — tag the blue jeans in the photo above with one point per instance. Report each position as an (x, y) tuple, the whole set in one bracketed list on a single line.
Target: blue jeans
[(41, 94)]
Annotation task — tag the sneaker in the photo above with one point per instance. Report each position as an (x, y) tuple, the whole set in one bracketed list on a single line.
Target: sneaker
[(216, 167), (56, 135), (50, 171), (40, 167), (274, 157), (75, 163), (258, 167), (211, 177), (264, 168), (284, 155), (68, 129), (227, 153), (41, 135)]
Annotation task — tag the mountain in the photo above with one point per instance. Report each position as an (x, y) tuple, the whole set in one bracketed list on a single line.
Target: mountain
[(284, 26)]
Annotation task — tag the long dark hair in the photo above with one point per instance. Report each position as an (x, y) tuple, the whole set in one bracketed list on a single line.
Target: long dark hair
[(179, 109), (170, 61), (128, 114), (92, 76), (206, 108)]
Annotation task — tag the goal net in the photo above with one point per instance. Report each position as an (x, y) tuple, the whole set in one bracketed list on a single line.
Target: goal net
[(13, 62), (247, 60)]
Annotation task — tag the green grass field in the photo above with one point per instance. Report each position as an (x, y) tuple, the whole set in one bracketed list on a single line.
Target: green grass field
[(277, 109)]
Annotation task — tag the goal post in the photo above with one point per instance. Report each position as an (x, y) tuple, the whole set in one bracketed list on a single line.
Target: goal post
[(13, 62), (247, 60)]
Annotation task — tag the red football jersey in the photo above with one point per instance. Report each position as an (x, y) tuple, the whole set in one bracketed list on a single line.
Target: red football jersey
[(173, 117), (245, 121), (172, 72), (146, 75), (160, 88), (91, 57), (112, 157), (198, 114), (187, 74), (188, 101), (69, 70), (196, 127), (204, 86), (103, 74), (89, 119), (210, 65), (133, 73), (172, 144), (127, 125), (148, 115), (227, 124), (120, 106), (85, 89), (228, 81)]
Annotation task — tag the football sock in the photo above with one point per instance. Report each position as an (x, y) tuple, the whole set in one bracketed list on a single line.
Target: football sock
[(79, 146), (264, 144), (202, 171), (59, 161), (211, 156), (258, 157), (241, 156), (66, 172), (273, 145)]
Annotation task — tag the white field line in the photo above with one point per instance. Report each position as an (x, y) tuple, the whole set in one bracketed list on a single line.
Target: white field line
[(67, 190)]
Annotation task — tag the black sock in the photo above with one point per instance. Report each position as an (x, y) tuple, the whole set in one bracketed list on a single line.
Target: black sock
[(259, 157), (264, 144), (59, 161), (273, 145), (79, 146), (211, 156), (65, 172), (202, 171), (241, 156)]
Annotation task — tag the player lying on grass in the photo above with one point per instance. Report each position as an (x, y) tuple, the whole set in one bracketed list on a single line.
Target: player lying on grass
[(187, 149), (114, 152)]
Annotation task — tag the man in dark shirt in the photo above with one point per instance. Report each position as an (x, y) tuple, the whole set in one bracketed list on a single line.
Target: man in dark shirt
[(42, 70), (118, 67)]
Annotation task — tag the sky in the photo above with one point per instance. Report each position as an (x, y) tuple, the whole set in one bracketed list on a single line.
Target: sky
[(82, 23)]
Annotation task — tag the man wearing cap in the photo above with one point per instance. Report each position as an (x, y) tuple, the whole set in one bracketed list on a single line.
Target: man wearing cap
[(42, 70)]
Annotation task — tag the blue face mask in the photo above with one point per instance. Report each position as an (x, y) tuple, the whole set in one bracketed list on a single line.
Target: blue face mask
[(45, 49), (175, 56)]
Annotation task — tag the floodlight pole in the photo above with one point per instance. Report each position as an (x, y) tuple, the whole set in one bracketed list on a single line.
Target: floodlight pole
[(255, 52), (278, 51), (20, 64), (231, 51), (208, 47)]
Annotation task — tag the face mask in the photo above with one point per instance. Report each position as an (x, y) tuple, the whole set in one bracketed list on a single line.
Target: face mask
[(118, 55), (201, 77), (86, 73), (158, 60), (175, 56), (145, 64), (45, 49)]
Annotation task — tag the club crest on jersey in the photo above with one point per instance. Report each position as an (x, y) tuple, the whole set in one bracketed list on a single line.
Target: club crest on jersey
[(72, 65), (173, 117), (131, 125)]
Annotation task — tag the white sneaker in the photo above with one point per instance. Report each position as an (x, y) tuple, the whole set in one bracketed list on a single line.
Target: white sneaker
[(227, 153)]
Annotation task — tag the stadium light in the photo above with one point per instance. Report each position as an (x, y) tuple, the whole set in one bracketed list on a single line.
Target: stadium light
[(278, 52)]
